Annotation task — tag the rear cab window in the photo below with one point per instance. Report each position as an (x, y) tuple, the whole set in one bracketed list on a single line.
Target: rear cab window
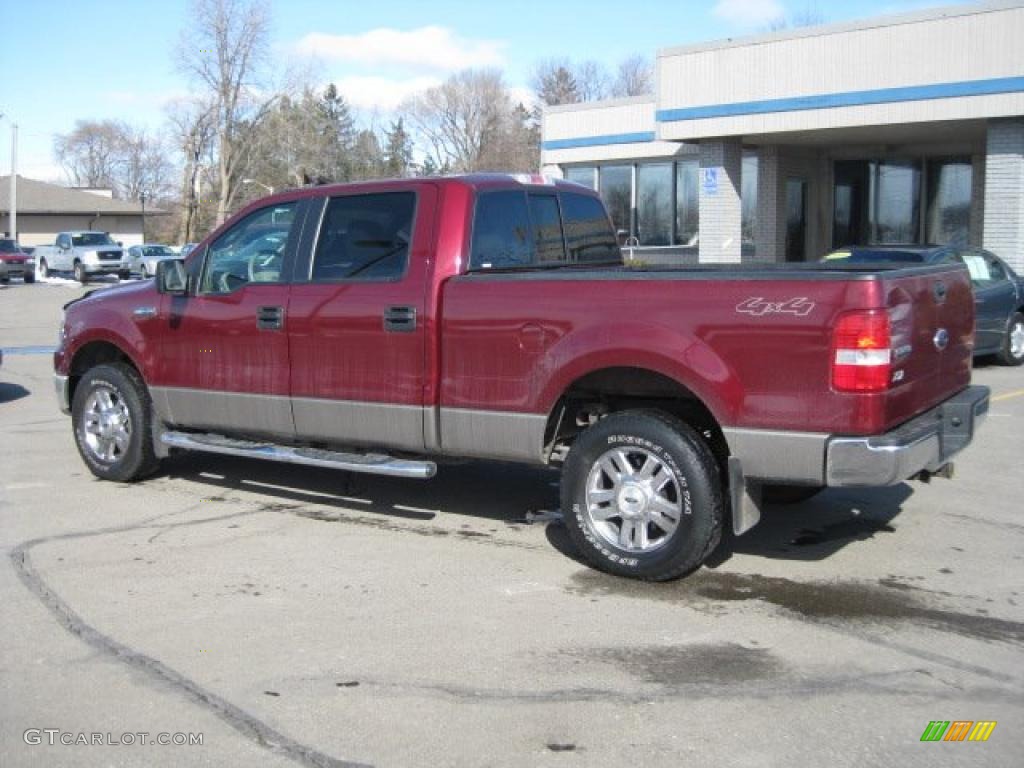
[(364, 237), (517, 229)]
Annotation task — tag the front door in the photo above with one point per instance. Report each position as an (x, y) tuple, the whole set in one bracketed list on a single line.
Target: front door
[(357, 324), (224, 365)]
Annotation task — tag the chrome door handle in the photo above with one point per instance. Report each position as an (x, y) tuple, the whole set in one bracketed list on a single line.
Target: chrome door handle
[(143, 312)]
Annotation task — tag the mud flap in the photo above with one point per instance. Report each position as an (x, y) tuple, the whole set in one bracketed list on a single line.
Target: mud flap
[(744, 499)]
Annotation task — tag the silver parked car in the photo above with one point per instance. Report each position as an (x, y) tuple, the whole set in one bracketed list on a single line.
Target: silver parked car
[(144, 258)]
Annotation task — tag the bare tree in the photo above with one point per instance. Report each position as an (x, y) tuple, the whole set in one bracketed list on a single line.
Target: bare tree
[(192, 126), (91, 154), (114, 154), (224, 50), (458, 118), (809, 16), (592, 80), (635, 77)]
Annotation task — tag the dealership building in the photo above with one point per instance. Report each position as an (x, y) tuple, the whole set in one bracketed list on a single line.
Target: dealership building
[(784, 146)]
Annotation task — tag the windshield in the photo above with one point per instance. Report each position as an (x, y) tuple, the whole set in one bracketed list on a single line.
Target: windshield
[(92, 238), (8, 246), (157, 250)]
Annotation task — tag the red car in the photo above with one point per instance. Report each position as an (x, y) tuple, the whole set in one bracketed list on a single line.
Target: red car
[(375, 327), (14, 262)]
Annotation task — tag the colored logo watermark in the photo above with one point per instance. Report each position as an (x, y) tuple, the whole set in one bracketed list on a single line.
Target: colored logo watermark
[(958, 730)]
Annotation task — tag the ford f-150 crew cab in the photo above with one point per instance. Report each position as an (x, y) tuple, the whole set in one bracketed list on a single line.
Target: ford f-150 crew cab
[(83, 254), (378, 327)]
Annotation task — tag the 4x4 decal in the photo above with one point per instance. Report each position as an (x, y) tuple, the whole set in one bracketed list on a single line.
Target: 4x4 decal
[(757, 306)]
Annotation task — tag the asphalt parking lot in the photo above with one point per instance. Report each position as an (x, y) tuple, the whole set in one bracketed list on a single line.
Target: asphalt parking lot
[(298, 616)]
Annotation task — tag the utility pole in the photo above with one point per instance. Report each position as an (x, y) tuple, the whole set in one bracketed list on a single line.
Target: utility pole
[(14, 182), (142, 198)]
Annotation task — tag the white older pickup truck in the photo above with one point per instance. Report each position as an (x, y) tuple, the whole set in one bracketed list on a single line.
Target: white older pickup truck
[(84, 254)]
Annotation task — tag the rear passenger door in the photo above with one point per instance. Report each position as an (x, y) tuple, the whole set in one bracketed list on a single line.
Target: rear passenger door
[(356, 320)]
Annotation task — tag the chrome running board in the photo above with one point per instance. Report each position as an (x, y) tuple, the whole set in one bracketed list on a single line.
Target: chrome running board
[(370, 463)]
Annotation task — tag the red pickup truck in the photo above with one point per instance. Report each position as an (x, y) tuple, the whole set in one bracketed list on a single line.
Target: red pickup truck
[(378, 327)]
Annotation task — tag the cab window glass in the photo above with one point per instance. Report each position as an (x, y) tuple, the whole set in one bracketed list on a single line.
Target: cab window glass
[(588, 232), (365, 237), (252, 251), (549, 245), (501, 231)]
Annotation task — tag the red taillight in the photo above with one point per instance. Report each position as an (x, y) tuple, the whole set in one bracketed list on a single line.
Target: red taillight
[(862, 352)]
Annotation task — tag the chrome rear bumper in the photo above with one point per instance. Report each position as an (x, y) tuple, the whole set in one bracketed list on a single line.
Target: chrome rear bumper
[(926, 443)]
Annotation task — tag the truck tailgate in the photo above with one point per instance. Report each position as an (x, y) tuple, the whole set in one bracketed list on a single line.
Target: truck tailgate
[(932, 321)]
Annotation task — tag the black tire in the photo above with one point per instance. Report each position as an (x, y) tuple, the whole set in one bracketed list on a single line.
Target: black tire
[(789, 494), (5, 279), (137, 460), (124, 274), (80, 274), (1007, 354), (28, 277), (693, 481), (44, 269)]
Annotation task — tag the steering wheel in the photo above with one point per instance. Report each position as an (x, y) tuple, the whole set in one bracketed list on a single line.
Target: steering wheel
[(261, 261)]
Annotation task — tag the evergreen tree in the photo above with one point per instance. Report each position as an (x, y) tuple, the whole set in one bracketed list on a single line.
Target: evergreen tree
[(397, 150)]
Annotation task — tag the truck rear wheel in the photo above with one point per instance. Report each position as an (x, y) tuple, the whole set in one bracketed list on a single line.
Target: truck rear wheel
[(641, 496), (110, 415)]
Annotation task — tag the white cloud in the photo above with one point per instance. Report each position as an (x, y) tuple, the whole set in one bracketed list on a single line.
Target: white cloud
[(432, 47), (749, 13), (371, 92)]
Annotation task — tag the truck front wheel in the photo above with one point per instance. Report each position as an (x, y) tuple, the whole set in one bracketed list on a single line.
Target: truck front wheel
[(80, 274), (641, 496), (110, 414)]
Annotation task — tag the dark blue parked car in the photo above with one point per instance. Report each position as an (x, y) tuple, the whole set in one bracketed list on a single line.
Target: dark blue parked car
[(998, 290)]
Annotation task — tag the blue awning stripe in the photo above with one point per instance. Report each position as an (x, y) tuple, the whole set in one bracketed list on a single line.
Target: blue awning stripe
[(987, 87)]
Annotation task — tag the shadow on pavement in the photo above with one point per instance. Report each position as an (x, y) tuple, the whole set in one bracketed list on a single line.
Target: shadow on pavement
[(486, 490), (817, 528), (491, 491), (11, 392)]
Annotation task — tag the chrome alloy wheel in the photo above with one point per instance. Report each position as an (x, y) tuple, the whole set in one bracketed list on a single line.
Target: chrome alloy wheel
[(634, 500), (107, 425), (1017, 340)]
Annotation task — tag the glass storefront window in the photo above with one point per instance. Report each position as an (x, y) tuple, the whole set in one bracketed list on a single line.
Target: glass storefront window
[(895, 201), (876, 202), (687, 204), (616, 187), (949, 201), (582, 174), (654, 203)]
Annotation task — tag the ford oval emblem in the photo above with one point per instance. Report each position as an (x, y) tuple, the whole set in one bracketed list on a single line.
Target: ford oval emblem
[(941, 339)]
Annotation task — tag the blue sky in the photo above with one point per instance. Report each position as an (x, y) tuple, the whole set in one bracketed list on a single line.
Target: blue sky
[(66, 60)]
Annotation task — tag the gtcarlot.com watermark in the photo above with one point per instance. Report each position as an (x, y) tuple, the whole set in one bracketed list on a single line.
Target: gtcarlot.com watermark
[(55, 737)]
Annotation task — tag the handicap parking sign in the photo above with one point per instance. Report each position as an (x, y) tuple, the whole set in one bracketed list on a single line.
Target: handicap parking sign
[(710, 180)]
